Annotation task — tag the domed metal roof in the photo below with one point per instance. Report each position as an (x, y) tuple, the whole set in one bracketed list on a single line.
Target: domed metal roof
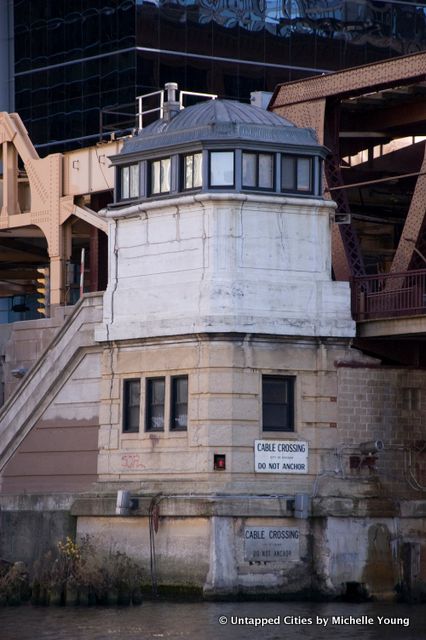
[(217, 121), (224, 111)]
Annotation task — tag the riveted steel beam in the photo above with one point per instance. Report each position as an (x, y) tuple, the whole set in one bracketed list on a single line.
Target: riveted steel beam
[(414, 227), (350, 82), (347, 258)]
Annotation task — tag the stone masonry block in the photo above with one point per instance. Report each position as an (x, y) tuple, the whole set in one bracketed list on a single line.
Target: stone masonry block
[(111, 388), (238, 381), (110, 413), (319, 411), (108, 438), (225, 408), (284, 357), (161, 358)]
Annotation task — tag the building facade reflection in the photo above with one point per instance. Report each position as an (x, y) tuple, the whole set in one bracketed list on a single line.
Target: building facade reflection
[(74, 58)]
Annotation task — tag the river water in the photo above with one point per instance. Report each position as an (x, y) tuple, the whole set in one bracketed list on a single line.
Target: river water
[(213, 621)]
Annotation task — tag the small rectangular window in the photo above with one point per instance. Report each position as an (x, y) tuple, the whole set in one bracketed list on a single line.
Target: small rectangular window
[(179, 403), (160, 176), (130, 182), (296, 174), (155, 388), (258, 170), (221, 169), (131, 405), (277, 403), (192, 171)]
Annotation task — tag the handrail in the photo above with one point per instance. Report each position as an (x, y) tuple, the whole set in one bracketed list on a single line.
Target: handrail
[(127, 125), (212, 96), (389, 295), (141, 113), (390, 276)]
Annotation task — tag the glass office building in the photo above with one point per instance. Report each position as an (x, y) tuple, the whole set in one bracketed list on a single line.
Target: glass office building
[(74, 58)]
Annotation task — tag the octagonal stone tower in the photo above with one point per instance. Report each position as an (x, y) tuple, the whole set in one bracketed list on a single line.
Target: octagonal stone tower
[(220, 308)]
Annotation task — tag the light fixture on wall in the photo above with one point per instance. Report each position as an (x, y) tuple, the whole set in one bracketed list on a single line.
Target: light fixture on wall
[(370, 447), (19, 372), (125, 503)]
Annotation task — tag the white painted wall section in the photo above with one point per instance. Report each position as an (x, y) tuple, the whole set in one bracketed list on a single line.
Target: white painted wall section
[(256, 264)]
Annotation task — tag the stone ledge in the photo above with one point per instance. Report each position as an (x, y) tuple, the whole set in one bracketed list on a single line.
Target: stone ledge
[(413, 509), (37, 502), (190, 506), (355, 507)]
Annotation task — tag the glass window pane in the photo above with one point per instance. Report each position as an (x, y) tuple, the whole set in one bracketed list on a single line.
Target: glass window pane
[(304, 174), (134, 392), (272, 417), (165, 175), (266, 171), (155, 404), (125, 179), (155, 177), (192, 171), (157, 418), (197, 170), (222, 168), (134, 180), (188, 176), (131, 405), (249, 169), (134, 418), (179, 412), (158, 391), (275, 391), (288, 173), (277, 403)]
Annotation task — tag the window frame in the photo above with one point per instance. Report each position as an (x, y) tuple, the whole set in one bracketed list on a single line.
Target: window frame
[(221, 186), (183, 171), (138, 181), (288, 425), (257, 154), (151, 191), (319, 170), (126, 426), (295, 189), (148, 405), (174, 404)]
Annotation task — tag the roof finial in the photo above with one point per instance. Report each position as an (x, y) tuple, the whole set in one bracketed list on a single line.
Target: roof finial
[(171, 88)]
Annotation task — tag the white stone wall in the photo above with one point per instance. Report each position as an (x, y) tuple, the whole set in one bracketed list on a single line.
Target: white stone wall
[(256, 264)]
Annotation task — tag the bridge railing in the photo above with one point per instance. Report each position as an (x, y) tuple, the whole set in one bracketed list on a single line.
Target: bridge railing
[(389, 295)]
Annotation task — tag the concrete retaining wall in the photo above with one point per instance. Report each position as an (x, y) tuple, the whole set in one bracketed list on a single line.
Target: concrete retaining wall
[(205, 545), (202, 544), (32, 525)]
